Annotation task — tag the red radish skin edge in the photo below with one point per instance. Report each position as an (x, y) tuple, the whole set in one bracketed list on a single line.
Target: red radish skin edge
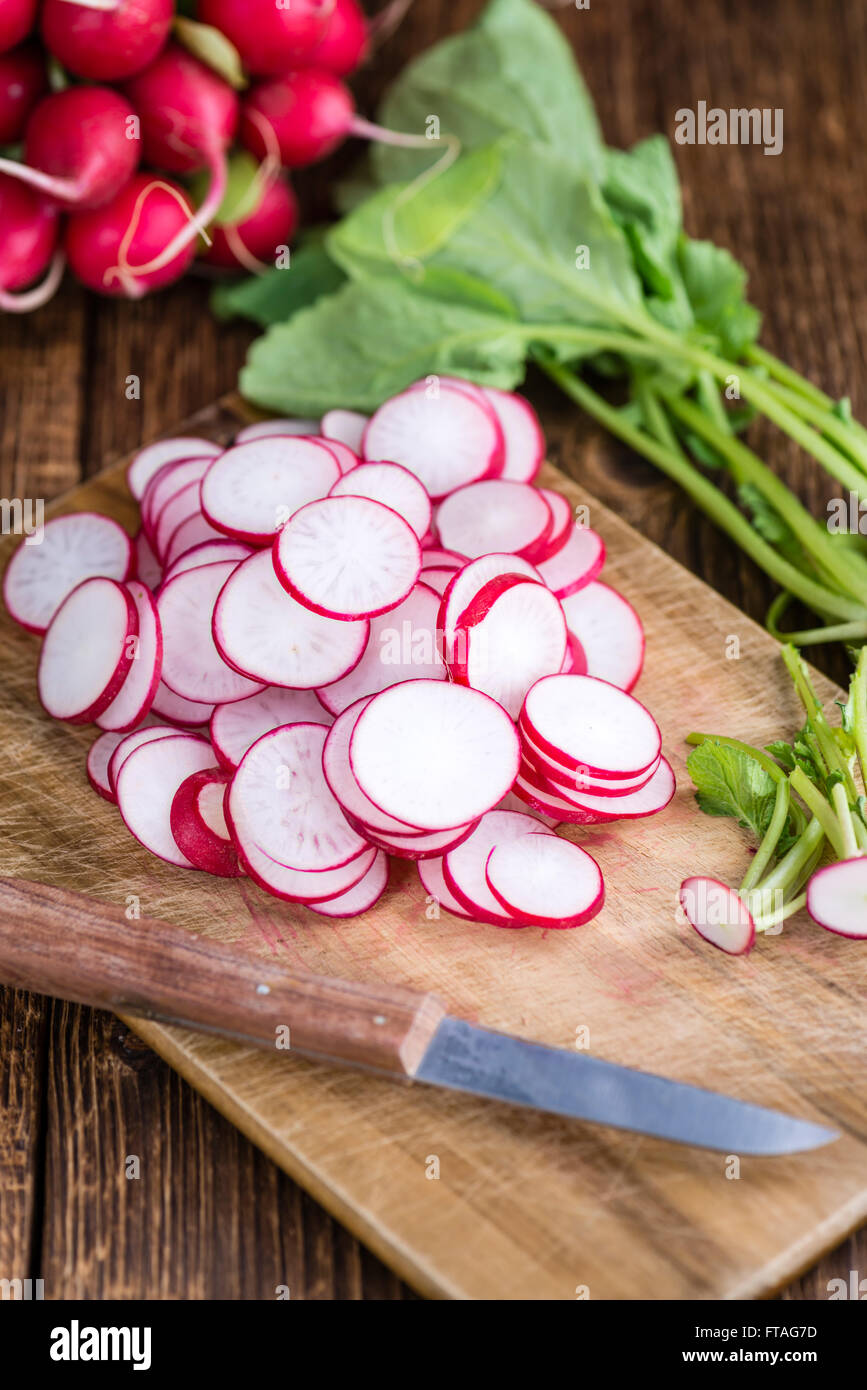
[(78, 147), (745, 930), (105, 44), (838, 876)]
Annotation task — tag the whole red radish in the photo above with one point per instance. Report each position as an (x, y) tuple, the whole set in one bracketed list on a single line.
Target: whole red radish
[(28, 241), (17, 18), (106, 44), (309, 112), (344, 45), (252, 242), (22, 83), (270, 35), (80, 146), (115, 249)]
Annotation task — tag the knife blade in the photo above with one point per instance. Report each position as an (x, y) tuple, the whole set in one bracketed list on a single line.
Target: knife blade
[(61, 943)]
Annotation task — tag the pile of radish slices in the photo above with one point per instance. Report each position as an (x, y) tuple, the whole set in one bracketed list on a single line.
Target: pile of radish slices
[(342, 640)]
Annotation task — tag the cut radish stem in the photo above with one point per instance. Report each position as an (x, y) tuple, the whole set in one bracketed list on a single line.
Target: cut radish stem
[(198, 823), (524, 442), (347, 426), (98, 758), (402, 646), (837, 898), (495, 515), (135, 696), (575, 564), (464, 867), (265, 634), (718, 914), (236, 727), (433, 754), (188, 714), (54, 559), (190, 534), (609, 630), (208, 553), (298, 886), (584, 722), (543, 880), (280, 804), (341, 779), (362, 897), (153, 457), (130, 742), (447, 441), (392, 485), (261, 429), (147, 567), (192, 665), (347, 557), (253, 488), (511, 635), (430, 871), (146, 784), (87, 652), (78, 148)]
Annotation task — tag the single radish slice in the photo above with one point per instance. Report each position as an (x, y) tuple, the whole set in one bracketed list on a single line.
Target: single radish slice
[(524, 442), (130, 742), (135, 697), (347, 426), (298, 886), (495, 515), (152, 458), (48, 565), (253, 488), (609, 630), (87, 652), (165, 485), (346, 459), (648, 800), (512, 634), (198, 823), (146, 785), (469, 388), (446, 440), (718, 914), (563, 524), (267, 635), (366, 893), (581, 721), (545, 881), (402, 646), (263, 429), (417, 847), (837, 898), (347, 557), (392, 485), (147, 567), (435, 557), (191, 533), (208, 553), (430, 872), (188, 714), (575, 564), (469, 580), (98, 757), (192, 666), (433, 754), (336, 766), (236, 727), (464, 867), (180, 507), (280, 804)]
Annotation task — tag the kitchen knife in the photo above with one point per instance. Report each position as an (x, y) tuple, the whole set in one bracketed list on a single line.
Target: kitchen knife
[(73, 947)]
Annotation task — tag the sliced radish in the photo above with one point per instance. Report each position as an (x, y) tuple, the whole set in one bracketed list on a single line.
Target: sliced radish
[(545, 881), (181, 506), (446, 440), (146, 783), (198, 823), (590, 808), (468, 581), (135, 697), (298, 886), (430, 872), (581, 721), (575, 564), (392, 485), (510, 802), (130, 742), (435, 557), (44, 571), (718, 914), (837, 898), (165, 485), (88, 651), (417, 847), (366, 893), (347, 557), (337, 769), (558, 809), (464, 867), (98, 757), (263, 429), (402, 646), (438, 579), (571, 779), (191, 533), (347, 460), (208, 553), (267, 635), (495, 515), (433, 754), (347, 426), (610, 632), (153, 457), (189, 714), (147, 567), (192, 665), (512, 634), (562, 523), (237, 726), (280, 803), (251, 489), (522, 434), (575, 661)]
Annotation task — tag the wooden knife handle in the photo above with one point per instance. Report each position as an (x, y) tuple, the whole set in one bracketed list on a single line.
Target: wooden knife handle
[(73, 947)]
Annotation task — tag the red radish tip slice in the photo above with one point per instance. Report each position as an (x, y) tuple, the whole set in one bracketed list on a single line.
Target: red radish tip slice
[(198, 823), (718, 914), (837, 898), (53, 561)]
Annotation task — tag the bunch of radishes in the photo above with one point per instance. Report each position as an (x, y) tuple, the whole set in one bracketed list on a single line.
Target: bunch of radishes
[(111, 110), (411, 658)]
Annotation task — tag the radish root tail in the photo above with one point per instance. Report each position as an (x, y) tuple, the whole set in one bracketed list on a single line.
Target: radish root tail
[(28, 300)]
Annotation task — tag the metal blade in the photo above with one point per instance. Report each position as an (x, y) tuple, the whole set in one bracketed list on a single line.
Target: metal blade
[(463, 1057)]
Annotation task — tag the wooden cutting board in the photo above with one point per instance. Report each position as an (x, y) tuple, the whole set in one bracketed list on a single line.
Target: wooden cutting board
[(465, 1198)]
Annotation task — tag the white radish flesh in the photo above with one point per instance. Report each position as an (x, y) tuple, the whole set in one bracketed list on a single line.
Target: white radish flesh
[(508, 641), (718, 914), (446, 440), (524, 442), (464, 867), (392, 485), (584, 722), (263, 429), (298, 886), (545, 881), (339, 775), (236, 727), (192, 666), (610, 632), (837, 898), (191, 533), (153, 457), (87, 652), (253, 488), (130, 742), (208, 553), (181, 506), (575, 564), (165, 485), (430, 872), (46, 568), (365, 894), (347, 426), (147, 567), (402, 646), (176, 710), (495, 515), (469, 581), (98, 757), (146, 785), (135, 697), (346, 460)]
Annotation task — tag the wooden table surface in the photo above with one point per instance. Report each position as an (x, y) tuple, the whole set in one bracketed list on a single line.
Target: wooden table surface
[(79, 1094)]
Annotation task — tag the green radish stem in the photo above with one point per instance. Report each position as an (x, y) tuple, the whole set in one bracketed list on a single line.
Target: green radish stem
[(810, 636), (765, 851)]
